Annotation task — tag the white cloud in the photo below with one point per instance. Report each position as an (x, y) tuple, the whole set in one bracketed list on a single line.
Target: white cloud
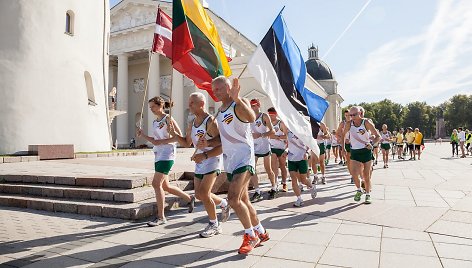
[(430, 66)]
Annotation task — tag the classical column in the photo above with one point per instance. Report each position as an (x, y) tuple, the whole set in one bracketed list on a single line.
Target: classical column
[(178, 98), (154, 89), (122, 134)]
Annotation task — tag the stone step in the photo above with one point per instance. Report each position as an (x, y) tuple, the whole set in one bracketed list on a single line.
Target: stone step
[(127, 211), (129, 182)]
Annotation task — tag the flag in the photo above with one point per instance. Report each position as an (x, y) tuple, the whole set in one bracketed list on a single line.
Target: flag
[(162, 42), (196, 46), (278, 66)]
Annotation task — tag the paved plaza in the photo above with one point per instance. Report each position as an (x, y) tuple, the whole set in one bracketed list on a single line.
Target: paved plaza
[(421, 216)]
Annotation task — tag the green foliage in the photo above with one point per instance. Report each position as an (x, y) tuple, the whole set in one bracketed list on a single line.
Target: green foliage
[(457, 112)]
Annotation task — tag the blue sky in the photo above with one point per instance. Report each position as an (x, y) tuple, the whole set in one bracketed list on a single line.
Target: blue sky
[(402, 50)]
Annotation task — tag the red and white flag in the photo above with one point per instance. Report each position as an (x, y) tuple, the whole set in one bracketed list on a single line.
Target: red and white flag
[(163, 34)]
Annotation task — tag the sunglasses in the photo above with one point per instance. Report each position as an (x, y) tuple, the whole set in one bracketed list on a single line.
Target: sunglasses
[(352, 115)]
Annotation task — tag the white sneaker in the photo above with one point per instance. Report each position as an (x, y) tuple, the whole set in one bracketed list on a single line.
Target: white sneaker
[(225, 213), (298, 203), (313, 191), (315, 179), (156, 222), (211, 230), (301, 187)]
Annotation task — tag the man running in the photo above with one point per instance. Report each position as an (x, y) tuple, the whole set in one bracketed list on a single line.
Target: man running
[(361, 150), (234, 118), (261, 130), (208, 162), (323, 134), (278, 147), (345, 143)]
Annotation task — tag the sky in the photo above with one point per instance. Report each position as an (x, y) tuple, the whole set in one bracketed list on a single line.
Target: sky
[(402, 50)]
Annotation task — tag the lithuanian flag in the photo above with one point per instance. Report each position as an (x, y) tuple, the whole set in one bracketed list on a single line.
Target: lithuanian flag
[(196, 46)]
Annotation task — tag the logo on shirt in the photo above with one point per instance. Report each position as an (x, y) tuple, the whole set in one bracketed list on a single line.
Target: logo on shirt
[(362, 131), (200, 133), (276, 129), (258, 123), (161, 125), (227, 118)]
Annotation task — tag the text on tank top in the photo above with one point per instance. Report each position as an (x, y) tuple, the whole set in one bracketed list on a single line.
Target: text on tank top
[(359, 136), (274, 143), (201, 131)]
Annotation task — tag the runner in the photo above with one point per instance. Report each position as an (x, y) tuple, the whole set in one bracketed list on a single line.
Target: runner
[(394, 143), (261, 130), (298, 167), (164, 157), (335, 145), (208, 162), (278, 147), (376, 151), (323, 134), (385, 139), (328, 148), (345, 145), (234, 118), (361, 150)]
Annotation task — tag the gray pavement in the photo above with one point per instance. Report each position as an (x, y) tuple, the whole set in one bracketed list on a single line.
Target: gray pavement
[(421, 216)]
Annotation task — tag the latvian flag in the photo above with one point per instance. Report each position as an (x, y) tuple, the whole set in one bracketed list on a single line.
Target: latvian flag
[(280, 69), (163, 34)]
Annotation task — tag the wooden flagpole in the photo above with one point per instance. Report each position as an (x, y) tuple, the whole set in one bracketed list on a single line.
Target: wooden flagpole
[(145, 90)]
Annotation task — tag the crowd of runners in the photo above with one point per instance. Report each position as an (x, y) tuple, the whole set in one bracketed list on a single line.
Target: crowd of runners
[(241, 134)]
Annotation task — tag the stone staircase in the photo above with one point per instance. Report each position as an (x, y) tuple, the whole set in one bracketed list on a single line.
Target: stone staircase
[(129, 198)]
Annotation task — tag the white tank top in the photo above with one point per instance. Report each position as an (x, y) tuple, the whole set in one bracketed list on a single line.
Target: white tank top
[(359, 136), (162, 152), (346, 137), (236, 140), (296, 148), (212, 163), (278, 144), (334, 140), (319, 137), (385, 137), (261, 144)]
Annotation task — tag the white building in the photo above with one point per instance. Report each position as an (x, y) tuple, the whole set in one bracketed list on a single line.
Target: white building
[(131, 35), (54, 74)]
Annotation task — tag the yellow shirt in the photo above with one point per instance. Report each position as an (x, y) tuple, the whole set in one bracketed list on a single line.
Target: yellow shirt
[(410, 137), (418, 138), (399, 138)]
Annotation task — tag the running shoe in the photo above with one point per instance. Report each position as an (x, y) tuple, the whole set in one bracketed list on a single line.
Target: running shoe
[(263, 237), (191, 204), (358, 196), (249, 243), (256, 197), (211, 230), (272, 194), (298, 203), (284, 188), (156, 222), (313, 191), (367, 199), (225, 213)]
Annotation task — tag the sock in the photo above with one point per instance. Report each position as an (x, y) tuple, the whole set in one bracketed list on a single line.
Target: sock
[(359, 189), (223, 203), (299, 197), (259, 228), (274, 188), (250, 232), (258, 190), (215, 221)]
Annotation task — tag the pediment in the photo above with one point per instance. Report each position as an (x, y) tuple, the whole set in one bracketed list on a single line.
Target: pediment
[(129, 14)]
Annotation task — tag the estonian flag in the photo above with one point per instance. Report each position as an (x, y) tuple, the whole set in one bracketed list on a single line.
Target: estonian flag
[(278, 66)]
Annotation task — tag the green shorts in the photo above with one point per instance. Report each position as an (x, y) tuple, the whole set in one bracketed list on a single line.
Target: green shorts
[(200, 176), (262, 155), (322, 148), (362, 155), (347, 147), (278, 152), (385, 146), (163, 166), (240, 170), (328, 147), (298, 166)]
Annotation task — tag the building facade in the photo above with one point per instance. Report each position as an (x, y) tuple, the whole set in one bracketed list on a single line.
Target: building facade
[(54, 74), (131, 35)]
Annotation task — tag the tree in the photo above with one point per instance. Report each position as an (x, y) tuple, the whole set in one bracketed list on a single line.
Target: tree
[(458, 112)]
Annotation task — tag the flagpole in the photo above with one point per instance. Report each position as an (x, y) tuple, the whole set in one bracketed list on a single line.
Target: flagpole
[(145, 90)]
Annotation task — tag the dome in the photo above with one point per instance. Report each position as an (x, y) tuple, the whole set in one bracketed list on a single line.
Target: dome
[(317, 68)]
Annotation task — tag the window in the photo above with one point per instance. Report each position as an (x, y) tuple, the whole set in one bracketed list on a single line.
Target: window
[(90, 91), (70, 22)]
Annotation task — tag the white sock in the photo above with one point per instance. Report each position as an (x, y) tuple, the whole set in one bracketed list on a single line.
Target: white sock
[(359, 189), (274, 188), (215, 221), (223, 203), (259, 228), (299, 197), (258, 190), (250, 231)]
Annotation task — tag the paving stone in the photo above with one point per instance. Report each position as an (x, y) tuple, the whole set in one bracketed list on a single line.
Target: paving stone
[(454, 251), (101, 195), (53, 192), (91, 210), (91, 182), (65, 207), (76, 194), (41, 205), (12, 159), (46, 179), (393, 260), (350, 257), (408, 247), (113, 212), (450, 263), (30, 179), (296, 252)]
